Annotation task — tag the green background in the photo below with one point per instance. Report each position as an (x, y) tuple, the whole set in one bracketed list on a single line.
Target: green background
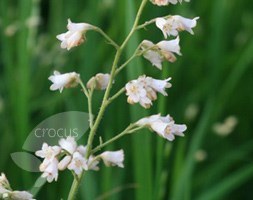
[(214, 74)]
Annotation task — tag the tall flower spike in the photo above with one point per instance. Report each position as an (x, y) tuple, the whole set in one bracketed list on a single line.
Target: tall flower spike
[(162, 51), (75, 34), (61, 81), (163, 126), (167, 2), (174, 24)]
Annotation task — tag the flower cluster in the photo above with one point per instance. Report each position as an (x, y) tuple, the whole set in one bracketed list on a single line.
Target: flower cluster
[(144, 90), (7, 193), (163, 126), (68, 155)]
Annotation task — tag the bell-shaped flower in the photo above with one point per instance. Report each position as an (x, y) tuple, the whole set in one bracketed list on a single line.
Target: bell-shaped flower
[(63, 164), (113, 158), (75, 34), (48, 152), (162, 51), (99, 82), (50, 170), (69, 144), (78, 163), (174, 24), (61, 81), (163, 126)]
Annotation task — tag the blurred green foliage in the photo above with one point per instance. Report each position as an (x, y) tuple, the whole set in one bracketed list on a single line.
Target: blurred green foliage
[(212, 80)]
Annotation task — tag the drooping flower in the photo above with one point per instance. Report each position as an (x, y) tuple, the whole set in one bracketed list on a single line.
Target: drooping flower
[(4, 183), (113, 158), (50, 170), (69, 144), (78, 163), (61, 81), (48, 152), (144, 89), (174, 24), (99, 82), (163, 126), (75, 34), (162, 51), (167, 2)]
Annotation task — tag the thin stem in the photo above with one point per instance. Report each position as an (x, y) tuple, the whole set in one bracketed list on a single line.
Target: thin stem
[(130, 129), (122, 90), (90, 107), (88, 94), (150, 22), (97, 29), (84, 89), (74, 187)]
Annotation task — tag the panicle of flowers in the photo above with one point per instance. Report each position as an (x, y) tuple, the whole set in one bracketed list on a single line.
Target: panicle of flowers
[(68, 155), (7, 193), (163, 126), (144, 90), (75, 34)]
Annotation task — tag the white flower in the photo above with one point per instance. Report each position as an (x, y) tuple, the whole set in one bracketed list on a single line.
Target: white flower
[(69, 144), (66, 80), (74, 36), (50, 171), (99, 82), (174, 24), (144, 89), (78, 163), (167, 2), (164, 50), (63, 164), (20, 195), (48, 152), (136, 93), (4, 181), (113, 158), (163, 126)]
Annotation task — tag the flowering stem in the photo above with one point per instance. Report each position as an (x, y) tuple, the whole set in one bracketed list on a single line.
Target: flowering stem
[(105, 101), (150, 22), (97, 29), (113, 70)]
